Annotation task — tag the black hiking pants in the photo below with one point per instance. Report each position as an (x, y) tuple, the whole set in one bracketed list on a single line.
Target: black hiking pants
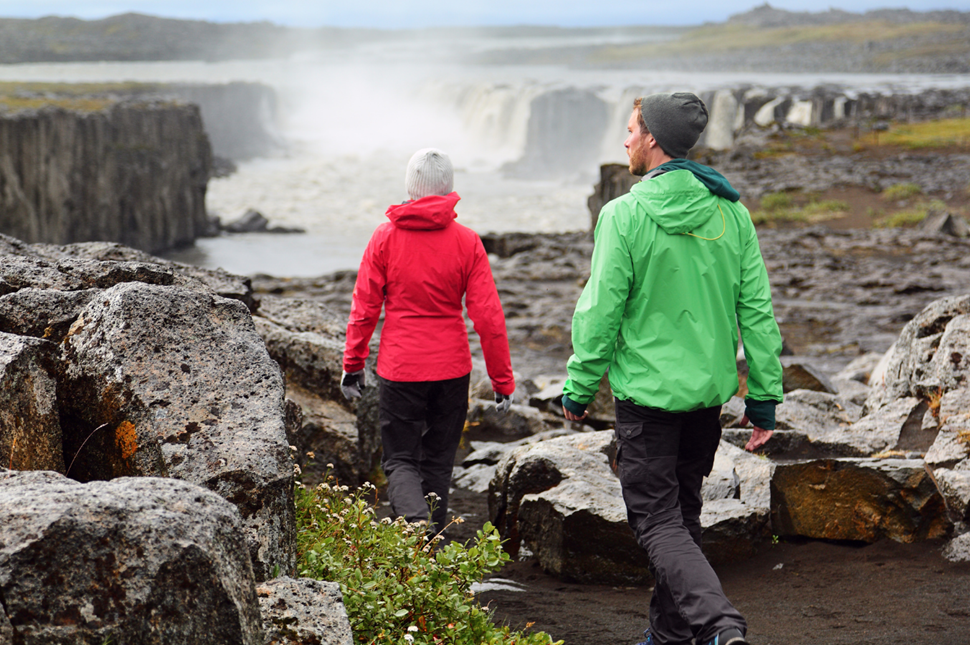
[(421, 425), (662, 459)]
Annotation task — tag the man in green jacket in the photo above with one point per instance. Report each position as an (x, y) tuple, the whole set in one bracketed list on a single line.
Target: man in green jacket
[(676, 271)]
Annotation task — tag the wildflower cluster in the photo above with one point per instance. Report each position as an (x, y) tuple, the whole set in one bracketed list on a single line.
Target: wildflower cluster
[(399, 588)]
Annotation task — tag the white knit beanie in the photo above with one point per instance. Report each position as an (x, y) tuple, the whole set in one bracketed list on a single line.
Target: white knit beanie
[(429, 173)]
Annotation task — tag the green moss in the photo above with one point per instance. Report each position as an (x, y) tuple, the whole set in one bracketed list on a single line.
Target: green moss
[(775, 202), (899, 192), (90, 104), (826, 207), (940, 133)]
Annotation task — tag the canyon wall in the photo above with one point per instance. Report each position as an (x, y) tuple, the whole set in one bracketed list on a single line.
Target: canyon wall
[(134, 172)]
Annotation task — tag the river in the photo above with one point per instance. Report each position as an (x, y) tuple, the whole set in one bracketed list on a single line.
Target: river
[(349, 120)]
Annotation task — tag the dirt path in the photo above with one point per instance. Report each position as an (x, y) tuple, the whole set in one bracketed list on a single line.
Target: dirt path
[(813, 592)]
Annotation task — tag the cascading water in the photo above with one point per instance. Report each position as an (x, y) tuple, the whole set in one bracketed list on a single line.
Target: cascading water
[(526, 141)]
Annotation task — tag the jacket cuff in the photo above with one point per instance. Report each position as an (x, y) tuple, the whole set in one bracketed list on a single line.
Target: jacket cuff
[(576, 408), (761, 413)]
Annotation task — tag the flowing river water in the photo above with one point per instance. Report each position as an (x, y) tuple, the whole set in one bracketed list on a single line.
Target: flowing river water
[(348, 121)]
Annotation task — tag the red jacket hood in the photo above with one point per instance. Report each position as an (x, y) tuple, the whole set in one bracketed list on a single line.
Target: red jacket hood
[(427, 213)]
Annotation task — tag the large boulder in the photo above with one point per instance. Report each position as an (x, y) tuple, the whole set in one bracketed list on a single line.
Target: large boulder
[(307, 339), (133, 560), (166, 381), (861, 500), (930, 357), (561, 498), (30, 429), (303, 611)]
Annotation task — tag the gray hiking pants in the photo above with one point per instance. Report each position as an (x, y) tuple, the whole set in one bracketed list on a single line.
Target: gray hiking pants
[(421, 424), (662, 459)]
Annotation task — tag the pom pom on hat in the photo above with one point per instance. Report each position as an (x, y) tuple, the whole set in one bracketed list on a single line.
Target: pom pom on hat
[(429, 173)]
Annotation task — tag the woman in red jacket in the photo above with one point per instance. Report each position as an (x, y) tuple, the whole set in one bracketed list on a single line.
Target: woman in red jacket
[(419, 267)]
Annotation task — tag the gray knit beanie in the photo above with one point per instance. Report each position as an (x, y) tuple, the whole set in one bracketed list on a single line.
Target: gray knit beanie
[(429, 173), (675, 120)]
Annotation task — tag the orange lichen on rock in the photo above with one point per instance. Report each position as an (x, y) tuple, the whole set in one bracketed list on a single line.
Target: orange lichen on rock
[(126, 439)]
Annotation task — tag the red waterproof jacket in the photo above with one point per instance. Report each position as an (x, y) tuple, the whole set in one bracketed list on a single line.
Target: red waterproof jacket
[(419, 266)]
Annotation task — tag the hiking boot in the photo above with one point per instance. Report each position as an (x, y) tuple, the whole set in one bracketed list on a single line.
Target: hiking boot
[(732, 636), (649, 638)]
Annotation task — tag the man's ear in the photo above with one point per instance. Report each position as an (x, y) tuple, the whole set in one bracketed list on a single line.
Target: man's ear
[(650, 141)]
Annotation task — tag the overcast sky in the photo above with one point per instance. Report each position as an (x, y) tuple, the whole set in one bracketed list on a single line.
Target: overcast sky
[(430, 13)]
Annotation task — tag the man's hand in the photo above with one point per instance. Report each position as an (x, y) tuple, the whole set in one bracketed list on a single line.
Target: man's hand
[(759, 436), (351, 384), (502, 402), (573, 417)]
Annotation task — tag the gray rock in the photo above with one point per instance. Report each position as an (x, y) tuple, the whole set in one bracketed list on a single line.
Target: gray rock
[(310, 359), (30, 429), (163, 381), (561, 498), (478, 467), (227, 285), (958, 549), (808, 424), (860, 368), (945, 223), (306, 339), (133, 173), (133, 560), (863, 500), (800, 376), (954, 486), (952, 444), (518, 422), (326, 441), (303, 611), (881, 430), (43, 313), (921, 359)]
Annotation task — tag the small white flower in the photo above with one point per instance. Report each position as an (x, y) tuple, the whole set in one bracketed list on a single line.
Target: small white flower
[(409, 638), (412, 628)]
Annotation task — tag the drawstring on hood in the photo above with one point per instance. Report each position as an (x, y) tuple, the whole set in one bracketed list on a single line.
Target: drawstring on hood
[(682, 196)]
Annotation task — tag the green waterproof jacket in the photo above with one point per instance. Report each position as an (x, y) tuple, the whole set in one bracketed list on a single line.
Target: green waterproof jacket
[(676, 271)]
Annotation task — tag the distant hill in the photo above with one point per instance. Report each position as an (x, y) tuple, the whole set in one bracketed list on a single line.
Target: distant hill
[(762, 39)]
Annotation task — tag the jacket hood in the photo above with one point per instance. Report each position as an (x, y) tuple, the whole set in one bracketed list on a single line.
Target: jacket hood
[(428, 213), (678, 201), (715, 181)]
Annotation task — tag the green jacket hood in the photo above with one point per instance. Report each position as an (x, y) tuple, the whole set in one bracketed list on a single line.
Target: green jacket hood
[(677, 201), (715, 181)]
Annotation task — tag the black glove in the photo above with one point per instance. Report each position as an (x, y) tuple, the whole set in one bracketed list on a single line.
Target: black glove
[(502, 402), (351, 384)]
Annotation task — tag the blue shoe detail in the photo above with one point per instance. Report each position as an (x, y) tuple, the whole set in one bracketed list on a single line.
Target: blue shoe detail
[(730, 636)]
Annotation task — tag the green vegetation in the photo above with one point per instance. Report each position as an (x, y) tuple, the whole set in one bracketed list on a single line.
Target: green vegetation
[(91, 104), (933, 37), (80, 97), (899, 192), (783, 207), (910, 216), (940, 133), (396, 586)]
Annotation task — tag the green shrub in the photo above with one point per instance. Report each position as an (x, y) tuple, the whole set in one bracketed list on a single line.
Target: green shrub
[(899, 192), (826, 206), (776, 201), (903, 219), (396, 587)]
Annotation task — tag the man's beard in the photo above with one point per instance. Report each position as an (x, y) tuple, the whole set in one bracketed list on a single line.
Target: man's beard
[(638, 160)]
